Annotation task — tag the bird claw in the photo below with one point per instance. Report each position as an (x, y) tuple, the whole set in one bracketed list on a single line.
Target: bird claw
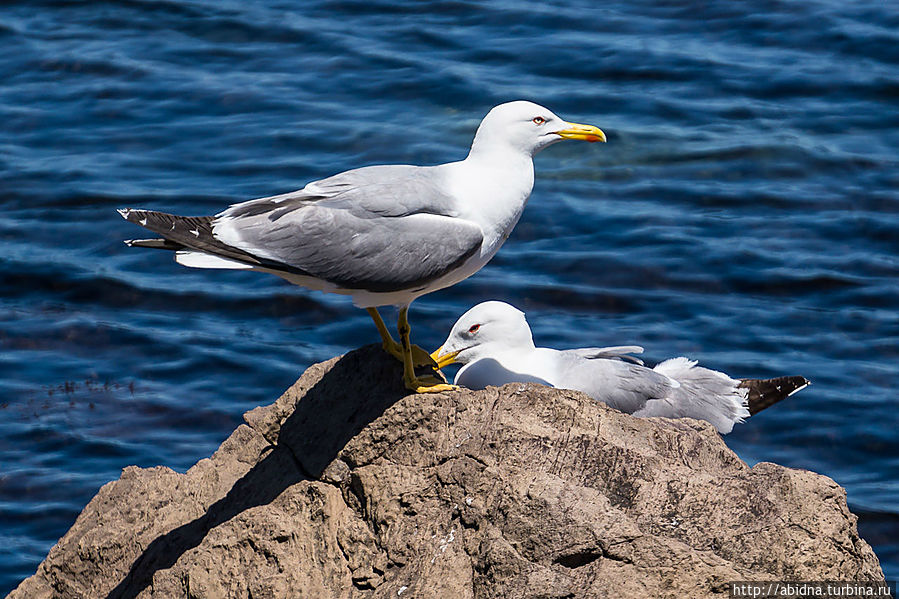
[(428, 384), (420, 357)]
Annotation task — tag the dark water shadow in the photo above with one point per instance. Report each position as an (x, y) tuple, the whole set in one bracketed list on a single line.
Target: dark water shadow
[(357, 389)]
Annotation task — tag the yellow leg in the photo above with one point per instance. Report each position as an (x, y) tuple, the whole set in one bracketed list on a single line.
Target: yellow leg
[(420, 357), (390, 346), (419, 385)]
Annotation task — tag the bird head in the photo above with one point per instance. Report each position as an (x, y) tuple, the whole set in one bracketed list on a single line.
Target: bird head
[(528, 128), (486, 330)]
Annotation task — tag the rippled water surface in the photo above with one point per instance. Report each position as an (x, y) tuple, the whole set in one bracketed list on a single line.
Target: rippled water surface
[(745, 212)]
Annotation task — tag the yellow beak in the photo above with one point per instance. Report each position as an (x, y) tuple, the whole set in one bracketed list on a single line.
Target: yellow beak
[(583, 132), (445, 360)]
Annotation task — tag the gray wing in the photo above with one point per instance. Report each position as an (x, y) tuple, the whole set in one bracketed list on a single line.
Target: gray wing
[(616, 352), (380, 228), (622, 385)]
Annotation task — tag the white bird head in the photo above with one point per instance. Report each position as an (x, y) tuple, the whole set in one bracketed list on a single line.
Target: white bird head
[(486, 330), (528, 128)]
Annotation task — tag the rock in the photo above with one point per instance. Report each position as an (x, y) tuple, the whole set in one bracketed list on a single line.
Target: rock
[(348, 487)]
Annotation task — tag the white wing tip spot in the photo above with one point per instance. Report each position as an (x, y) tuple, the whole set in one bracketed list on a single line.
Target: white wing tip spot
[(798, 389), (196, 232)]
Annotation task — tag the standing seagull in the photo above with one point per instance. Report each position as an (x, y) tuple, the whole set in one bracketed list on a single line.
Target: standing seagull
[(384, 235), (493, 341)]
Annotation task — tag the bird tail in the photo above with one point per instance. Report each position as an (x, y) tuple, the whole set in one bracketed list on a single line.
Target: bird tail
[(763, 393), (187, 234), (705, 394)]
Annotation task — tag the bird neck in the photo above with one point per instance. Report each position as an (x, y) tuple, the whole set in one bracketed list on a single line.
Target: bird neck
[(492, 187), (491, 147), (504, 166)]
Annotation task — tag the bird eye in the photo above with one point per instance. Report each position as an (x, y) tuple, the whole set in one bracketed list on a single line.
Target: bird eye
[(474, 328), (538, 120)]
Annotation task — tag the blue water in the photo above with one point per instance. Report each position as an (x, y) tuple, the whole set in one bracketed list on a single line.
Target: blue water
[(745, 212)]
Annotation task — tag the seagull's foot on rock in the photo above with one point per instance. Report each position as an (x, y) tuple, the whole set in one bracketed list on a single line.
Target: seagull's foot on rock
[(428, 384), (420, 357)]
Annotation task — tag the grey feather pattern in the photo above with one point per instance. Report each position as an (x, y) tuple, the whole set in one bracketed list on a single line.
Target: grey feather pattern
[(675, 388), (622, 385), (616, 352), (379, 228)]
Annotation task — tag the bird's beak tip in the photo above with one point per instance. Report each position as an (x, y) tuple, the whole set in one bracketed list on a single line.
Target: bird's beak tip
[(588, 133), (445, 359)]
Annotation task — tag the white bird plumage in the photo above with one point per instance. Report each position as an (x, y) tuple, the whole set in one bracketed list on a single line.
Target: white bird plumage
[(384, 235), (494, 344)]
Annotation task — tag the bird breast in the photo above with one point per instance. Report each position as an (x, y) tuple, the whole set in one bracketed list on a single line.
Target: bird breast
[(492, 194)]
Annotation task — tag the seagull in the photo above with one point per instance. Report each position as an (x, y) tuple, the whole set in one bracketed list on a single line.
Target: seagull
[(385, 234), (493, 342)]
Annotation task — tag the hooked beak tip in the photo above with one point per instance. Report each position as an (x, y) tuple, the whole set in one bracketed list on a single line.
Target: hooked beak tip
[(445, 359), (582, 132)]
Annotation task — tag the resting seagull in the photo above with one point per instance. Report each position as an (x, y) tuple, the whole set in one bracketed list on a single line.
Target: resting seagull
[(493, 341), (384, 235)]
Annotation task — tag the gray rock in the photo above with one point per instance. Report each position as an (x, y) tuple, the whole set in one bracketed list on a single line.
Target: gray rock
[(348, 487)]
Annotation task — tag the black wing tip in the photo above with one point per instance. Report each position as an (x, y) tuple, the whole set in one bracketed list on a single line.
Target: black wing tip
[(157, 244), (802, 383), (764, 393), (134, 215)]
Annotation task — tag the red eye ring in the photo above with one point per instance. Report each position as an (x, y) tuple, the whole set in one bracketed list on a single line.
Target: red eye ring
[(474, 328), (538, 120)]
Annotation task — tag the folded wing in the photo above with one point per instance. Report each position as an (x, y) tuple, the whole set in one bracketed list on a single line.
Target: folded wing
[(383, 228)]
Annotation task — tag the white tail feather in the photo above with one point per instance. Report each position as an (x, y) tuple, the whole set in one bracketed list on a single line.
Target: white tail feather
[(705, 394), (203, 260)]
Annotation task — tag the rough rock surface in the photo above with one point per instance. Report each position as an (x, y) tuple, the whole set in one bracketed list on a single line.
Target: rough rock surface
[(348, 487)]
